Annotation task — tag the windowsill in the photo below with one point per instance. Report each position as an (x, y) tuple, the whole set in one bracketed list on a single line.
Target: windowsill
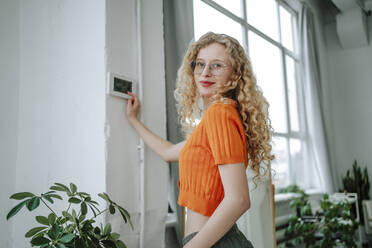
[(281, 197)]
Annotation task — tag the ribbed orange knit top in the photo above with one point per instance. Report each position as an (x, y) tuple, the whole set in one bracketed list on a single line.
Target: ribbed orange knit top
[(218, 139)]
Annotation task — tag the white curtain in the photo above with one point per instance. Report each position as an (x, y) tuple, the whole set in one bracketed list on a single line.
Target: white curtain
[(311, 87)]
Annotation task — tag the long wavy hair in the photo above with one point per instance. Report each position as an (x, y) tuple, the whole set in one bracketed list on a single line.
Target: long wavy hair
[(242, 87)]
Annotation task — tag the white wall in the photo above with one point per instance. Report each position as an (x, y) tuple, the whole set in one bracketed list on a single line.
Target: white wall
[(123, 168), (54, 108), (9, 84), (350, 84), (61, 107)]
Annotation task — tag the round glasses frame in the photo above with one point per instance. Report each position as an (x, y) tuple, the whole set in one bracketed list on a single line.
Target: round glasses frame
[(213, 69)]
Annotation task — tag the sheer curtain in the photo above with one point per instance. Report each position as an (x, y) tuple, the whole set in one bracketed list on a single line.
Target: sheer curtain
[(178, 32), (311, 87)]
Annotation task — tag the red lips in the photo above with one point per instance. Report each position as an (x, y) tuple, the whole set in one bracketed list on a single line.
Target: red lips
[(206, 83)]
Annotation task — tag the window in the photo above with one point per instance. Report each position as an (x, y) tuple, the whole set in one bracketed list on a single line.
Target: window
[(267, 31)]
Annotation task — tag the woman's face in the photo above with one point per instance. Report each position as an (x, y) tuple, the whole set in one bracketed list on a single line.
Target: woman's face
[(212, 69)]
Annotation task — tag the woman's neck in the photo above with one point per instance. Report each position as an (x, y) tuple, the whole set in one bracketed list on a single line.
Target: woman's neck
[(206, 102)]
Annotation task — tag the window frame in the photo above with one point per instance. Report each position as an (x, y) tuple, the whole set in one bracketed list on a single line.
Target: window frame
[(301, 134)]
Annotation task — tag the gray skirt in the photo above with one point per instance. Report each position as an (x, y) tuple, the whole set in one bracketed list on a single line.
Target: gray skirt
[(234, 238)]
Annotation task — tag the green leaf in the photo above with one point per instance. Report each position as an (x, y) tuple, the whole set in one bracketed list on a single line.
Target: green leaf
[(34, 231), (64, 187), (84, 194), (123, 215), (67, 238), (60, 245), (42, 220), (94, 202), (73, 188), (48, 198), (87, 225), (68, 216), (84, 208), (74, 200), (112, 209), (94, 212), (97, 230), (39, 240), (63, 221), (105, 197), (95, 207), (33, 203), (52, 218), (81, 218), (115, 236), (58, 188), (108, 243), (120, 244), (78, 242), (54, 232), (16, 209), (49, 192), (107, 229), (126, 216), (56, 196), (21, 195), (73, 212)]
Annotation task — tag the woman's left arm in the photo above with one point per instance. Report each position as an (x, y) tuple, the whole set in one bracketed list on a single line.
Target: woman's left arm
[(236, 201)]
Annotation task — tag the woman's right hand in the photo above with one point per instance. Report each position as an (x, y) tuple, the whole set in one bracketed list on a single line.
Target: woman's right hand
[(133, 107), (165, 149)]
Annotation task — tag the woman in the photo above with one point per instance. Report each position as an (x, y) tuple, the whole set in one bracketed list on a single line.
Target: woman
[(234, 129)]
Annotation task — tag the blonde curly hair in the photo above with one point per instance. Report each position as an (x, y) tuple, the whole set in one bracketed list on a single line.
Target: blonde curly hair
[(242, 87)]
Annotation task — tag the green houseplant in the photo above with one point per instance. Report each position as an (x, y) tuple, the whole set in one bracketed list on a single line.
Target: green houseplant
[(72, 228), (356, 181), (330, 227)]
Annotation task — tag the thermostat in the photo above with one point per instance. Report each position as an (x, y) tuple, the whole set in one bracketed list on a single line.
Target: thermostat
[(120, 85)]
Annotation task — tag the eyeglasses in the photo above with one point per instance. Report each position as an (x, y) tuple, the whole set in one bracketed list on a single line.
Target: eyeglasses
[(216, 68)]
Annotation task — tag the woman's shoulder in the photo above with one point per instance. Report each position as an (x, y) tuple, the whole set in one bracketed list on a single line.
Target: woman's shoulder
[(220, 112)]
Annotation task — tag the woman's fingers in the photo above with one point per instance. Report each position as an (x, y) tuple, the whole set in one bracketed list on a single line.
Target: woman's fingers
[(134, 99), (133, 106), (132, 94)]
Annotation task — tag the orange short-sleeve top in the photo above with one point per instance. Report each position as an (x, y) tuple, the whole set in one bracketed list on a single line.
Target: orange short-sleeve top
[(218, 139)]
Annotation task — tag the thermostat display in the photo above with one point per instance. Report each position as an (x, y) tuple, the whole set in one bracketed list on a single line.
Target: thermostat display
[(121, 85)]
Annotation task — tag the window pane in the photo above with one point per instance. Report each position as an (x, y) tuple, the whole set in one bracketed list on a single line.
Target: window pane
[(286, 28), (296, 153), (292, 93), (303, 168), (304, 165), (207, 19), (233, 6), (280, 164), (263, 15), (267, 67)]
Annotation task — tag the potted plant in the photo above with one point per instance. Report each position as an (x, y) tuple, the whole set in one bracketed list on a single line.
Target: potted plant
[(301, 203), (72, 228), (333, 226), (356, 181)]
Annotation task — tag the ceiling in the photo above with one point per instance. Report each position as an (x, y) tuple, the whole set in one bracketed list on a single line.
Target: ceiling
[(329, 10)]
